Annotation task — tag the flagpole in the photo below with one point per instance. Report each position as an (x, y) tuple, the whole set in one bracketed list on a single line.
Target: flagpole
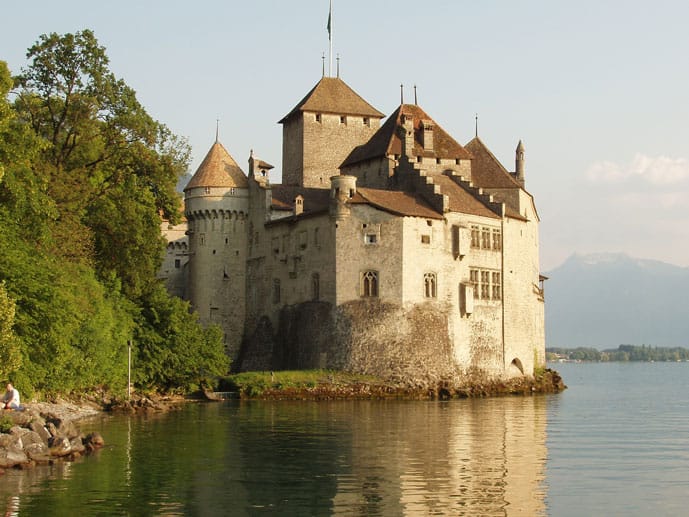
[(330, 39)]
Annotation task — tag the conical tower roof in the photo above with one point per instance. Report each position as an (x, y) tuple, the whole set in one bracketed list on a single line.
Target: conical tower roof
[(218, 169), (333, 95)]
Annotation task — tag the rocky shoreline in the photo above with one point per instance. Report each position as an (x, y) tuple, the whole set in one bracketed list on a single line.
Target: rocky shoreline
[(43, 433)]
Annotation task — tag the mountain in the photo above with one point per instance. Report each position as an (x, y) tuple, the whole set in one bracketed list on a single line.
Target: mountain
[(604, 300)]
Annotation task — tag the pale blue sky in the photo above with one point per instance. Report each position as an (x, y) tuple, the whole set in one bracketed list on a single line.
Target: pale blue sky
[(597, 90)]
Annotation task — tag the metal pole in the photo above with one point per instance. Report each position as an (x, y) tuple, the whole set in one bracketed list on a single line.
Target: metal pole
[(330, 39), (129, 369)]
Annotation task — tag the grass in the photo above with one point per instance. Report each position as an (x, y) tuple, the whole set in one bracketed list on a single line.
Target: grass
[(254, 384)]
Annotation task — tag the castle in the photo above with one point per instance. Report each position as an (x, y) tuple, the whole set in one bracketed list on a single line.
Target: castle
[(389, 248)]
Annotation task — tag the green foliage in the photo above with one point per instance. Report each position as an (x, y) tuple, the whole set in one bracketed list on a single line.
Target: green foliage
[(72, 327), (254, 384), (85, 174), (10, 345), (110, 168), (173, 351), (6, 423)]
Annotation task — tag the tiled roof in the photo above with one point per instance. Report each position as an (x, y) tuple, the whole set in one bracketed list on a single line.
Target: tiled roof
[(461, 200), (218, 169), (333, 95), (395, 202), (387, 142), (315, 199), (486, 170)]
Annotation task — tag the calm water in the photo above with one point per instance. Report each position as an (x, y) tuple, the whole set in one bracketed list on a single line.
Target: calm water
[(615, 443)]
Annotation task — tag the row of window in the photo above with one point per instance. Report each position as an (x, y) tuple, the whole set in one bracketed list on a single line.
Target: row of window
[(486, 238), (343, 119), (487, 285)]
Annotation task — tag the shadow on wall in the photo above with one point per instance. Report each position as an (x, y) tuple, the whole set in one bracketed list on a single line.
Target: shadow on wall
[(366, 336)]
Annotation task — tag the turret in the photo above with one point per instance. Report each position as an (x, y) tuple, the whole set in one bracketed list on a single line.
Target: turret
[(519, 163), (342, 189), (216, 207)]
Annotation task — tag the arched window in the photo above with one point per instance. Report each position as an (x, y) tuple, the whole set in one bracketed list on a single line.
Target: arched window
[(430, 284), (369, 283)]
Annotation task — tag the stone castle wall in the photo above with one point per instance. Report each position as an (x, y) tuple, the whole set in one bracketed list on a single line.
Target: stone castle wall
[(307, 136)]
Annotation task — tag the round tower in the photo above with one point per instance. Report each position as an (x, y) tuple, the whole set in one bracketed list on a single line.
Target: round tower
[(216, 207), (342, 189)]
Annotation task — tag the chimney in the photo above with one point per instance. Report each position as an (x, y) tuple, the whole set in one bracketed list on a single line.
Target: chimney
[(427, 135), (408, 135)]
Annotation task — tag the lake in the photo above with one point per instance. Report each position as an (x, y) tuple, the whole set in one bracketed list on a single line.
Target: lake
[(615, 443)]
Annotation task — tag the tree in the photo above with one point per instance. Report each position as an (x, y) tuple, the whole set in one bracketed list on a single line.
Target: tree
[(10, 355), (85, 174), (101, 150)]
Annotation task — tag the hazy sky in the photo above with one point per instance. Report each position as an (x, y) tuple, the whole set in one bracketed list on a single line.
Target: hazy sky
[(597, 90)]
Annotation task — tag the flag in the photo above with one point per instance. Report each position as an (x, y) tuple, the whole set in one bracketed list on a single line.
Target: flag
[(330, 15)]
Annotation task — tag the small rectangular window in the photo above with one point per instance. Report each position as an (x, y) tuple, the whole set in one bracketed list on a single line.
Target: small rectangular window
[(318, 117), (425, 239), (475, 237), (473, 275), (497, 240), (371, 238), (367, 121), (497, 295), (177, 263), (485, 238), (485, 285), (343, 120)]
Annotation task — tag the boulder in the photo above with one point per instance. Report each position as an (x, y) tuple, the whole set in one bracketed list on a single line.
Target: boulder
[(39, 428), (12, 457), (60, 446), (93, 441), (39, 453)]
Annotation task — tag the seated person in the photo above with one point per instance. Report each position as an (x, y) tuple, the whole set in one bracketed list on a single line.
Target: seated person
[(10, 399)]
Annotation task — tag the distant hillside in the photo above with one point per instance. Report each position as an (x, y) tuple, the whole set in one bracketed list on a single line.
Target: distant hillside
[(605, 300)]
